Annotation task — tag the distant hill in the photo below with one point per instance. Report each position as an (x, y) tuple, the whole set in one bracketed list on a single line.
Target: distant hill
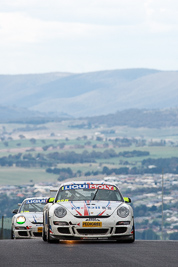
[(91, 94), (14, 113), (138, 118), (23, 115)]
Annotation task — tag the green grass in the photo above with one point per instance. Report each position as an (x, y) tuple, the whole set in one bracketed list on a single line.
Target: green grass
[(148, 133), (160, 151), (18, 176), (61, 130), (21, 175)]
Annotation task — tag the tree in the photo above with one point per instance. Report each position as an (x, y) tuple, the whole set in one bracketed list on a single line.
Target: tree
[(21, 136), (6, 143), (173, 236), (62, 145), (33, 141)]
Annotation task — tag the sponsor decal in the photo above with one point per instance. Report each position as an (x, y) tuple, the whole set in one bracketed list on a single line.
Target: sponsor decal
[(40, 229), (107, 206), (50, 229), (87, 210), (91, 224), (132, 231), (101, 186), (63, 200), (92, 219), (74, 223), (31, 201), (75, 208), (89, 186), (46, 218)]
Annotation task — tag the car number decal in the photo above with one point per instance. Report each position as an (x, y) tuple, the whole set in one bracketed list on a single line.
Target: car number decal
[(63, 200)]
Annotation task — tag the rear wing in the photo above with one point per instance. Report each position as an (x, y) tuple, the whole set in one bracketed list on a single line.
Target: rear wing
[(53, 190)]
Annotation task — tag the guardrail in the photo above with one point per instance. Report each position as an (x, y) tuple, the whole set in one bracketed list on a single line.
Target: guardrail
[(5, 227)]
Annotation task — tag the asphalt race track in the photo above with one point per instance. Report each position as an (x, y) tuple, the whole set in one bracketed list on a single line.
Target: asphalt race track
[(86, 254)]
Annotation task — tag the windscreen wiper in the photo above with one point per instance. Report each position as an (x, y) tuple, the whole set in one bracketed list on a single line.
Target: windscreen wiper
[(95, 193)]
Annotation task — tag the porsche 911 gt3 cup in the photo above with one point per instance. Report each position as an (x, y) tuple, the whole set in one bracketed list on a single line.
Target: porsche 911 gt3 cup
[(88, 210), (28, 221)]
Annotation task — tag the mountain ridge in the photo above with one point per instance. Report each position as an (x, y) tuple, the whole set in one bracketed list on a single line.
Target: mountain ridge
[(93, 93)]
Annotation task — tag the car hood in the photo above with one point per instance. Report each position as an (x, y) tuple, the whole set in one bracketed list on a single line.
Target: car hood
[(33, 217), (91, 208)]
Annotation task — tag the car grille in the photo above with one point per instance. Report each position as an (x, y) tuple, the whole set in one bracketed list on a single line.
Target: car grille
[(120, 230), (92, 231), (20, 228), (63, 230), (37, 234), (23, 233)]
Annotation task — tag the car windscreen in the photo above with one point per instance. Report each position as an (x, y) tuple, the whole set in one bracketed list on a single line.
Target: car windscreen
[(84, 192), (33, 205)]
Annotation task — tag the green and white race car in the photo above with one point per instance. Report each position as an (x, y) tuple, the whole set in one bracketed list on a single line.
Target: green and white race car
[(28, 219)]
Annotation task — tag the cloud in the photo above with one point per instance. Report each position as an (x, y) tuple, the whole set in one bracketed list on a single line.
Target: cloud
[(81, 11), (37, 21), (17, 27), (162, 11), (87, 35)]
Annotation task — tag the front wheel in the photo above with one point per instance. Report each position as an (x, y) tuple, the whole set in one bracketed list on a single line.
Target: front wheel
[(44, 234), (133, 237), (48, 235), (12, 233), (49, 238), (129, 239)]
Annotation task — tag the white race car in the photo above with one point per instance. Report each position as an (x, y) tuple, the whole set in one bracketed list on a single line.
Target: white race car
[(28, 219), (88, 210)]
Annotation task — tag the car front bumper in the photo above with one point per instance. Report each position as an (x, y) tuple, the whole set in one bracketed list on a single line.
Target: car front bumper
[(110, 229), (27, 232)]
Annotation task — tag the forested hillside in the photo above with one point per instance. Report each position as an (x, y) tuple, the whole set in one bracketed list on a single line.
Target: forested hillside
[(138, 118)]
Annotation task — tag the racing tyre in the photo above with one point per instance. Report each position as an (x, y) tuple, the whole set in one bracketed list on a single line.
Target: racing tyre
[(49, 239), (44, 234), (130, 239), (133, 238), (12, 233)]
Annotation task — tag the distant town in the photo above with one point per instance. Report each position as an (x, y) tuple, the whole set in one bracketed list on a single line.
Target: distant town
[(142, 161), (145, 192)]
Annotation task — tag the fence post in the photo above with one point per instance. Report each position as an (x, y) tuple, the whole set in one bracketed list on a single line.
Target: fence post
[(2, 227)]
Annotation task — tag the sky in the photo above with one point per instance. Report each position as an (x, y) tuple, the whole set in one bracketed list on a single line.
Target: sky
[(39, 36)]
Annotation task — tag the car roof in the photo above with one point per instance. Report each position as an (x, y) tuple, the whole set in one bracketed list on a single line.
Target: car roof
[(88, 182)]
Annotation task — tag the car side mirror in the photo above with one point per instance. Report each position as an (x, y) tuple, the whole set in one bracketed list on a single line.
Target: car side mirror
[(127, 199), (50, 200), (15, 211)]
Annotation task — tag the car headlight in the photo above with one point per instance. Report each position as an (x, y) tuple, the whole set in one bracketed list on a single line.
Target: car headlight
[(20, 219), (123, 212), (60, 212)]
